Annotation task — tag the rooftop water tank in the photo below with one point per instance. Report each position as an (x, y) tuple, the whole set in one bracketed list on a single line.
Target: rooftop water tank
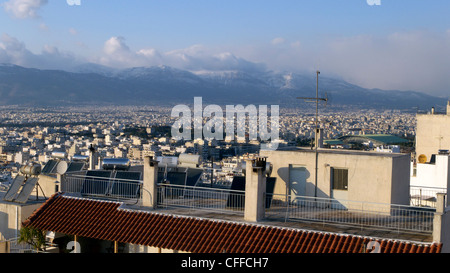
[(188, 159), (80, 158), (116, 164), (31, 169), (57, 154)]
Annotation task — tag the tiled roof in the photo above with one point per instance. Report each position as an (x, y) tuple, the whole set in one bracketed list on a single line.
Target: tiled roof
[(106, 220)]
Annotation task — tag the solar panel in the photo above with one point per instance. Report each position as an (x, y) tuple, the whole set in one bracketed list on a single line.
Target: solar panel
[(176, 178), (49, 166), (26, 190), (128, 175), (96, 183), (127, 188), (193, 175), (270, 186), (104, 174), (14, 188), (237, 199), (238, 183), (75, 167), (160, 176)]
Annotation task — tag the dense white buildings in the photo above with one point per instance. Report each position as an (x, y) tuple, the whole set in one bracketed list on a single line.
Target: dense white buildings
[(344, 185)]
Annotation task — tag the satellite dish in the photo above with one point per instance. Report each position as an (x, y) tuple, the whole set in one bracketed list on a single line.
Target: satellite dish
[(422, 158), (61, 168)]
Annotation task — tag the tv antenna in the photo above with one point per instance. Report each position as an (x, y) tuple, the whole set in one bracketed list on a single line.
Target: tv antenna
[(316, 122)]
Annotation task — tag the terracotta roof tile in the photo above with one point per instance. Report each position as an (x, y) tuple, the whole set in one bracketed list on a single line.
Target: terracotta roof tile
[(298, 244), (353, 245), (280, 241), (105, 220), (318, 247), (288, 237), (215, 244), (336, 244), (325, 247), (292, 248), (178, 237)]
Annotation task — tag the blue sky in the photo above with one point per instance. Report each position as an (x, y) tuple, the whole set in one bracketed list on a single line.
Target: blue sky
[(397, 45)]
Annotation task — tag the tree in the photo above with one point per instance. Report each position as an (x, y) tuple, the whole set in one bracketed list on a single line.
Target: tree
[(33, 237)]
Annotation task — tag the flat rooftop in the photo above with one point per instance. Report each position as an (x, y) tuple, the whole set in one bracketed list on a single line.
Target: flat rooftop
[(326, 227), (336, 151), (296, 224), (31, 200)]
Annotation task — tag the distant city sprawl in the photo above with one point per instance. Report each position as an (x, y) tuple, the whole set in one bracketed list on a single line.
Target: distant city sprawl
[(117, 131)]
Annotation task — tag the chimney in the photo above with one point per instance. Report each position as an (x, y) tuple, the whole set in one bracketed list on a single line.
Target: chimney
[(448, 108), (439, 218), (92, 157), (255, 188), (319, 138), (100, 162), (149, 187)]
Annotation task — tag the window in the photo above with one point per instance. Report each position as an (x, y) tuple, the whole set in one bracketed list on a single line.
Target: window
[(339, 179)]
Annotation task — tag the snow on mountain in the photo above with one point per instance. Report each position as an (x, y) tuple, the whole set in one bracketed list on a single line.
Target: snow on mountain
[(91, 83), (94, 68)]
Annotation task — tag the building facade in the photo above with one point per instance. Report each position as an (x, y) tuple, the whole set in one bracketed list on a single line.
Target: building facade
[(432, 134), (341, 174)]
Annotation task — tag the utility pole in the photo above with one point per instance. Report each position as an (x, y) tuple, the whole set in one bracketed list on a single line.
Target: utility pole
[(316, 121)]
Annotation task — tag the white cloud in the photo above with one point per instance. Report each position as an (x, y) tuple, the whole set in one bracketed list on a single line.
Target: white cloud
[(409, 60), (43, 27), (24, 9), (115, 45), (73, 31), (118, 54), (296, 44), (197, 57), (278, 41), (416, 60), (15, 52)]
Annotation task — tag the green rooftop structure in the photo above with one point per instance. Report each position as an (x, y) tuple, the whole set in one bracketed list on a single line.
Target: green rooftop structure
[(333, 142), (380, 139)]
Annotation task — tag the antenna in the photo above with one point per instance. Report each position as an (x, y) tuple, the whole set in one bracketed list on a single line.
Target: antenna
[(316, 100)]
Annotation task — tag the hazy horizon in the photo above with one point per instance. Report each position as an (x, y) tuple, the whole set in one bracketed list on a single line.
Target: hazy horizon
[(392, 46)]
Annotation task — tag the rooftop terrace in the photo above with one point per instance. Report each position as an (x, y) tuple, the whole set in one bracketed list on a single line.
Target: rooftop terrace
[(340, 151), (319, 214)]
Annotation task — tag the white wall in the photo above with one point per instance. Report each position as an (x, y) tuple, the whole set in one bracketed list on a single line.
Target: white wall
[(432, 175), (372, 177), (11, 217), (432, 134)]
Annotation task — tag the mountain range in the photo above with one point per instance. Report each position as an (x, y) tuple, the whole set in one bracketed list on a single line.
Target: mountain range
[(92, 84)]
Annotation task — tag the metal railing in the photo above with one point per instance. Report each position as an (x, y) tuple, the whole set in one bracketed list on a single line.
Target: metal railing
[(201, 198), (111, 188), (325, 210), (354, 213), (425, 196), (13, 246), (412, 219)]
